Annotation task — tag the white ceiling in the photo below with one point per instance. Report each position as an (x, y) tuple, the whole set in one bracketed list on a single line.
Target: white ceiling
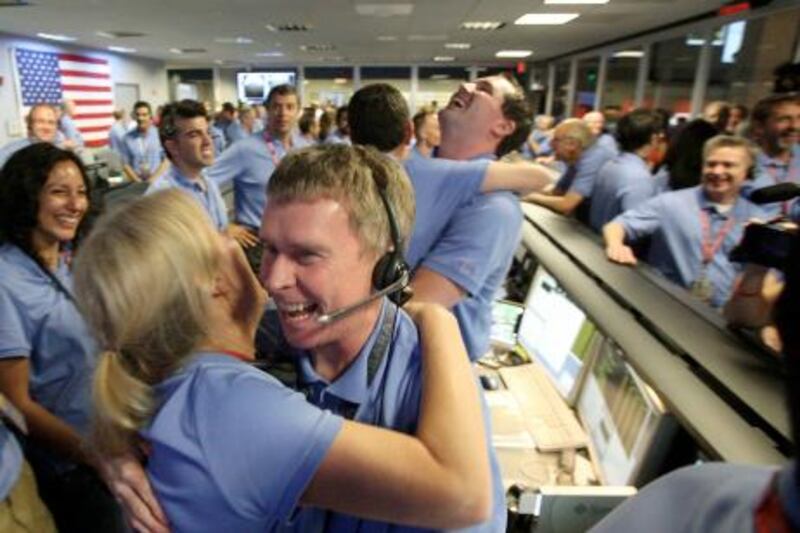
[(419, 36)]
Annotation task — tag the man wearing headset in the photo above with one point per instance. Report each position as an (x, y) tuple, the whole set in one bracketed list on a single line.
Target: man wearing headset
[(693, 230)]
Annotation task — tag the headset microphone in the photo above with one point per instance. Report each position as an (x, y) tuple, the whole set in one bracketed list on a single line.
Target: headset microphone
[(775, 193), (398, 285)]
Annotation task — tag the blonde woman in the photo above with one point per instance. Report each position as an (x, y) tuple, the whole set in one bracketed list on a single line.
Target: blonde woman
[(175, 307)]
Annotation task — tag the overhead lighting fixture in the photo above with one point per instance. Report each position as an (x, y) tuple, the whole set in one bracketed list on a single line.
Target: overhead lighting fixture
[(545, 19), (120, 34), (458, 46), (57, 37), (576, 2), (427, 38), (317, 47), (636, 54), (444, 59), (482, 26), (176, 50), (438, 77), (387, 38), (270, 27), (233, 40), (122, 49), (384, 10), (270, 54), (517, 54), (341, 81)]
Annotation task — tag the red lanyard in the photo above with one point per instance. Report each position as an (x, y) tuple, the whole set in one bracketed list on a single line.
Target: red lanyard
[(273, 152), (710, 244), (239, 355), (769, 517)]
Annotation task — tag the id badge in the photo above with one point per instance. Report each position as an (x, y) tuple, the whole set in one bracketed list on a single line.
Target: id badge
[(702, 288)]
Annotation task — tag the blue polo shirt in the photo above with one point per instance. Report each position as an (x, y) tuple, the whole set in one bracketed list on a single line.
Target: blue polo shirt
[(249, 163), (70, 130), (142, 151), (607, 141), (713, 497), (217, 138), (40, 322), (622, 183), (10, 461), (661, 180), (673, 220), (204, 190), (475, 252), (579, 177), (392, 400), (440, 187), (772, 171), (231, 448)]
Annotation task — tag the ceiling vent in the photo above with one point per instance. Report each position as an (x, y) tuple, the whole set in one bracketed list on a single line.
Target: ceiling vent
[(294, 27)]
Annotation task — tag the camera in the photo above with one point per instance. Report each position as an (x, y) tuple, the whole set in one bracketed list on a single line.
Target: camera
[(765, 244)]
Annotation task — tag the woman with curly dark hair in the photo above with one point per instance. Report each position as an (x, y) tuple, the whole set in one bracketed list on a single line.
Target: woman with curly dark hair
[(46, 353)]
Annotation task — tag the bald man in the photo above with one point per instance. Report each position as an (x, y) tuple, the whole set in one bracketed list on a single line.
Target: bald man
[(597, 125)]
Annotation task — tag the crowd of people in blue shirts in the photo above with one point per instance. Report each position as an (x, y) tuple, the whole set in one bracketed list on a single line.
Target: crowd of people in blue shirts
[(128, 340)]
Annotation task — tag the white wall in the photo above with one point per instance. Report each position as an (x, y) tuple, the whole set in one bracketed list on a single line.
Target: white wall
[(149, 74)]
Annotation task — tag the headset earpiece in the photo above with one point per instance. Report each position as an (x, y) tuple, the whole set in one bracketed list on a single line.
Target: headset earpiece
[(392, 266)]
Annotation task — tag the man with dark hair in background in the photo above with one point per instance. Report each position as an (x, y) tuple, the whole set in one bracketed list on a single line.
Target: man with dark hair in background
[(184, 135), (426, 132), (249, 163), (342, 133), (142, 156), (626, 181)]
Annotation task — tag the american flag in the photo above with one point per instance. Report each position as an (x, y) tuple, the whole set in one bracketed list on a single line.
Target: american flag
[(51, 77)]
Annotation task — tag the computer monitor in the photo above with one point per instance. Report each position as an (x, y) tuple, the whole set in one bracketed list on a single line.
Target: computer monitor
[(624, 418), (555, 333), (254, 87), (505, 321)]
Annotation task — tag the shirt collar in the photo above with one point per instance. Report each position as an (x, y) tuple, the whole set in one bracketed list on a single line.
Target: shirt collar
[(352, 385), (24, 261), (180, 177), (738, 210)]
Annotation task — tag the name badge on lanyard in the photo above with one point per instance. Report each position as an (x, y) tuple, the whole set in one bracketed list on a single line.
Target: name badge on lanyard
[(273, 152), (701, 287)]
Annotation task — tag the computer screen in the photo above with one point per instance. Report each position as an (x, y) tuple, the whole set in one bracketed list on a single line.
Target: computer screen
[(620, 412), (555, 332), (505, 319), (254, 87)]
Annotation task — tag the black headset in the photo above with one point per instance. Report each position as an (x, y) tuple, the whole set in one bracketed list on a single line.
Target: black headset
[(391, 268)]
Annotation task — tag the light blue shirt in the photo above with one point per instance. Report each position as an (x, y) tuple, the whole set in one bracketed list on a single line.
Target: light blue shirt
[(41, 323), (622, 183), (142, 151), (475, 252), (235, 132), (71, 131), (10, 461), (231, 448), (338, 138), (713, 497), (218, 138), (579, 178), (392, 400), (11, 148), (116, 136), (661, 180), (440, 187), (772, 171), (204, 190), (607, 141), (543, 139), (673, 220), (250, 163)]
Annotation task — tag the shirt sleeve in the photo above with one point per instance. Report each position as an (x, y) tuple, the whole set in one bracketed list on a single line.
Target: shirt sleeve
[(227, 167), (643, 220), (586, 170), (263, 442), (475, 240), (15, 340), (638, 192)]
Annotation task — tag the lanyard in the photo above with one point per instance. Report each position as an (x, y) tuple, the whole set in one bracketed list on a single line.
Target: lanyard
[(273, 152), (788, 177), (375, 357), (710, 244), (239, 355)]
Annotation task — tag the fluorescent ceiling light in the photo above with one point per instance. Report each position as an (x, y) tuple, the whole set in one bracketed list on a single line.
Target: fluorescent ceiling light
[(233, 40), (122, 49), (443, 59), (384, 10), (176, 50), (630, 53), (458, 46), (57, 37), (485, 26), (542, 19), (427, 38), (567, 2), (514, 53), (387, 38), (270, 54)]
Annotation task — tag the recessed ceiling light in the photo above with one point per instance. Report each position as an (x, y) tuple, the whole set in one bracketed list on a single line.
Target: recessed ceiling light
[(384, 10), (485, 26), (176, 50), (270, 54), (317, 47), (427, 38), (57, 37), (629, 53), (514, 53), (458, 46), (566, 2), (233, 40), (546, 18), (122, 49), (387, 38), (444, 59), (270, 27)]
